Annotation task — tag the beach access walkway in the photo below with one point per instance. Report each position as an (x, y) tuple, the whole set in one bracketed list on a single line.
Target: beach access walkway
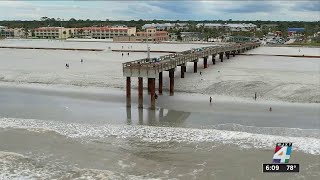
[(152, 68)]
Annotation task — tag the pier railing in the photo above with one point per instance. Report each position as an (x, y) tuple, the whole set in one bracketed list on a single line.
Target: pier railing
[(152, 67)]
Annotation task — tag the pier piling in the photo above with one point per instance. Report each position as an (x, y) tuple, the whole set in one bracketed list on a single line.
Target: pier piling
[(205, 62), (221, 57), (140, 92), (213, 59), (160, 83), (149, 86), (128, 92), (195, 66), (182, 71), (171, 75), (153, 92)]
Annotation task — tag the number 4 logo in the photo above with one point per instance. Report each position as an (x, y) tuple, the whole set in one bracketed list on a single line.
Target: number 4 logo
[(282, 154)]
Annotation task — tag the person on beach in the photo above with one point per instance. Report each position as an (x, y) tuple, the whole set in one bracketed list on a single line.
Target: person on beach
[(67, 66), (270, 109), (122, 54), (81, 61), (255, 96), (200, 73), (128, 54), (210, 99)]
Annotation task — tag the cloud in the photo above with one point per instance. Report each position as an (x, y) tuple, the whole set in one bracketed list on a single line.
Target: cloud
[(170, 10), (307, 6), (252, 7), (175, 7)]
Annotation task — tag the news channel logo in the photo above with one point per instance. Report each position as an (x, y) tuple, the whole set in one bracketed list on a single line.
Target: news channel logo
[(280, 160), (282, 153)]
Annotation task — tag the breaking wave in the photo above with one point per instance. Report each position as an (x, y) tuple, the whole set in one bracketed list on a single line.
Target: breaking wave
[(88, 132)]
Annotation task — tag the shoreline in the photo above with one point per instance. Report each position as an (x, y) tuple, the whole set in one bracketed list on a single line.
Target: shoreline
[(83, 49), (118, 94)]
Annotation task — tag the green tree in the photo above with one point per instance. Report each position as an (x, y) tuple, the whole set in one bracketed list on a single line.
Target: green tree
[(73, 20), (259, 34), (44, 18), (179, 35)]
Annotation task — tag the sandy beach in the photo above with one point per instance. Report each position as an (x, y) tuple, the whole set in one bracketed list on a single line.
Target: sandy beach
[(58, 123), (273, 78)]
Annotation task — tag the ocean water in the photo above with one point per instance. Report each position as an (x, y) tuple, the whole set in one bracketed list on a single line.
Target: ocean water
[(45, 136)]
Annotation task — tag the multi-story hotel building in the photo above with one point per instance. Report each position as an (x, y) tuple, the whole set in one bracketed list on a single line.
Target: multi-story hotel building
[(14, 33), (151, 34), (54, 32), (104, 32), (230, 27), (7, 33), (166, 26)]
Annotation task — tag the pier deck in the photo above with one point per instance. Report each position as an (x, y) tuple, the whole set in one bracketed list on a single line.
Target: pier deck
[(150, 68)]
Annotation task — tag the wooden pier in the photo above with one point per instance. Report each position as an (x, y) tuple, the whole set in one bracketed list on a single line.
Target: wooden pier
[(152, 68)]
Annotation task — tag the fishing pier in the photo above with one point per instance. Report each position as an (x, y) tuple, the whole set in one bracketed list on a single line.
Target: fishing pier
[(152, 68)]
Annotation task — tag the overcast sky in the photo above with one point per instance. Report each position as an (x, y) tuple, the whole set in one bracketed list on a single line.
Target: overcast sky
[(168, 10)]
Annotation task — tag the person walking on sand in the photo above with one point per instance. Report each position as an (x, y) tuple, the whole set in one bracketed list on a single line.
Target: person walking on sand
[(255, 96), (200, 73), (210, 99), (128, 53), (81, 61), (270, 109), (122, 54), (67, 66)]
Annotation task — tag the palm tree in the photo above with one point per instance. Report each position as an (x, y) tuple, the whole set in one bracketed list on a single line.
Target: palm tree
[(80, 33), (26, 33), (64, 33)]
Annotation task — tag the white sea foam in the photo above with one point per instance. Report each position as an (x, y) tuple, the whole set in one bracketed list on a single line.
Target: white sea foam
[(15, 166), (164, 134), (278, 131)]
